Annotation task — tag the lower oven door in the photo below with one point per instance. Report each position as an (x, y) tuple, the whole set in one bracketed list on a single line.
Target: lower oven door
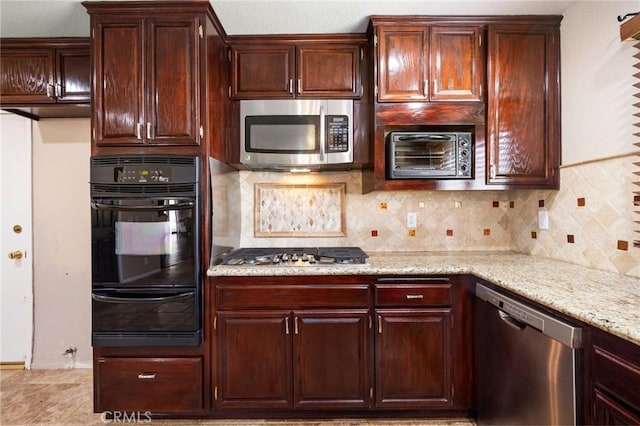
[(146, 317)]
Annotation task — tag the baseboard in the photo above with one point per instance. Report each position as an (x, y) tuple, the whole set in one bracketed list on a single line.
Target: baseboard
[(12, 365)]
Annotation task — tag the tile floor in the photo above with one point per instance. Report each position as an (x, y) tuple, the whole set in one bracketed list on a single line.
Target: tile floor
[(64, 397)]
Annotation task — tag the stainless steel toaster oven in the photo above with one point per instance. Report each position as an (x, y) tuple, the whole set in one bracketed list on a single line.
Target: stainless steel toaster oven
[(429, 155)]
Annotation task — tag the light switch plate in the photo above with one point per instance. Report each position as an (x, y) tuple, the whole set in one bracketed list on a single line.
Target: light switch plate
[(412, 220), (543, 219)]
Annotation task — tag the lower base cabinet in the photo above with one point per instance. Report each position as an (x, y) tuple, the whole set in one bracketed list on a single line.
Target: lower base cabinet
[(300, 359), (413, 358), (615, 380), (166, 385)]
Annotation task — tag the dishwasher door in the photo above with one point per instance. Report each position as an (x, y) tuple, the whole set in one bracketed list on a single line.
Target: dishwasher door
[(523, 375)]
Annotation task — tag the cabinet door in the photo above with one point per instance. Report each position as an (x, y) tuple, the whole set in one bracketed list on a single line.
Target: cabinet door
[(261, 71), (607, 411), (402, 64), (172, 98), (523, 106), (254, 359), (73, 75), (27, 76), (413, 358), (328, 71), (331, 359), (118, 81), (456, 64)]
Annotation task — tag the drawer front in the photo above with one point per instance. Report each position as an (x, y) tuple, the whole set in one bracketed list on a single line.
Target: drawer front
[(164, 385), (617, 375), (291, 296), (418, 294)]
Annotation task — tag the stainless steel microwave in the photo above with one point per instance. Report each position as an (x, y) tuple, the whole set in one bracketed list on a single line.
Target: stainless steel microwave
[(429, 155), (290, 134)]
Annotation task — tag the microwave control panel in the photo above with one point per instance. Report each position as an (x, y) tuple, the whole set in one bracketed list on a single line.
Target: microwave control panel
[(337, 133)]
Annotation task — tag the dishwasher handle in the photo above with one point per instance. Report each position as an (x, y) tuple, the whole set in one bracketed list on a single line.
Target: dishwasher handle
[(511, 321)]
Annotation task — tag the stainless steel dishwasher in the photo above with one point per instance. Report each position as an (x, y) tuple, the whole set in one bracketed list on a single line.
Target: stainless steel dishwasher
[(525, 363)]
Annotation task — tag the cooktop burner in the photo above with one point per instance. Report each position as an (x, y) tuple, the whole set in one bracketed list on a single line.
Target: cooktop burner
[(296, 256)]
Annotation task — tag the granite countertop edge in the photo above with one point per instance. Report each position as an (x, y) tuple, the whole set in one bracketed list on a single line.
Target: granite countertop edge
[(606, 300)]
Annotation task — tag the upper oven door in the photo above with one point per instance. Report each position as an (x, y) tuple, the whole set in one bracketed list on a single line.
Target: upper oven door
[(143, 242)]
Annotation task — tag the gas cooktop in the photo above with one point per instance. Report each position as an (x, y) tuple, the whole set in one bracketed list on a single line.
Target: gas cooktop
[(296, 256)]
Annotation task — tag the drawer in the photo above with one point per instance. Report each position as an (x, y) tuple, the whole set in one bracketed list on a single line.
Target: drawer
[(292, 296), (164, 385), (413, 294), (617, 375)]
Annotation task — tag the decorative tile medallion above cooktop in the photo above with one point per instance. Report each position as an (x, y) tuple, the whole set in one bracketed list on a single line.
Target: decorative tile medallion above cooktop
[(299, 210)]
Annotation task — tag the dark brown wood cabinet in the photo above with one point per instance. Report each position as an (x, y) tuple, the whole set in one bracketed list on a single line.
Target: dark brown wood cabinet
[(277, 67), (414, 338), (523, 110), (614, 372), (45, 71), (153, 384), (429, 63), (148, 83), (278, 341)]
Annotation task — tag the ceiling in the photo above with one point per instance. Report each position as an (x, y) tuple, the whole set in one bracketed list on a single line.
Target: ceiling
[(68, 18)]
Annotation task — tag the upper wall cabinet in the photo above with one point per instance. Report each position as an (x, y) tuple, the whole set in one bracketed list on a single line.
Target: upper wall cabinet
[(267, 67), (429, 63), (147, 82), (523, 111), (45, 71)]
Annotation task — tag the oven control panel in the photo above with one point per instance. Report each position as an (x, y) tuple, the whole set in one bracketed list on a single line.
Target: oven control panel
[(138, 174)]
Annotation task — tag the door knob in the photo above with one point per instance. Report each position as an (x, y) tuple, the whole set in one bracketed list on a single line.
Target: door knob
[(15, 255)]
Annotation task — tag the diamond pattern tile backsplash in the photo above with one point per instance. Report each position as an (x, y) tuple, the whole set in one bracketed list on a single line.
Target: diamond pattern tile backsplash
[(590, 218)]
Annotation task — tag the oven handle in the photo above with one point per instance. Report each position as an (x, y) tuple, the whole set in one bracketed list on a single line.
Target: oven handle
[(424, 138), (181, 206), (144, 299)]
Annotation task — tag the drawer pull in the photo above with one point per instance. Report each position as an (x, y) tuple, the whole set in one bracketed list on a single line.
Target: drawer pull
[(147, 376), (414, 296)]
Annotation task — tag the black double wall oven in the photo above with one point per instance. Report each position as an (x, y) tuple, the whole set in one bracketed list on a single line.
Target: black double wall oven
[(145, 234)]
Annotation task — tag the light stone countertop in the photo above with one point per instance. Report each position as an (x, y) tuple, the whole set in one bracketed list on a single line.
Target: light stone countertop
[(606, 300)]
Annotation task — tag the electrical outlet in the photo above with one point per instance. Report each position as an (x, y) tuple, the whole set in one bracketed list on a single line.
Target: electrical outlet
[(543, 219), (412, 220)]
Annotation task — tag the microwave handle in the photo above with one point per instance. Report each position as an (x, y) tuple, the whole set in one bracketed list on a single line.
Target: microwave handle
[(323, 136)]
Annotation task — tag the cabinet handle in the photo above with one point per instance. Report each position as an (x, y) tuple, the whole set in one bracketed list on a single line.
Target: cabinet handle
[(295, 325), (299, 86), (147, 376), (50, 91), (139, 131), (379, 324), (291, 85), (149, 131), (286, 325), (414, 296), (59, 90)]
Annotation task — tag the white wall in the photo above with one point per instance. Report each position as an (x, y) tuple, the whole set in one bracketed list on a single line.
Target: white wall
[(597, 92), (61, 242)]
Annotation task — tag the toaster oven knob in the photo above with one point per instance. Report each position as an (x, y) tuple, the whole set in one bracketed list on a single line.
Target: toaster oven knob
[(464, 153)]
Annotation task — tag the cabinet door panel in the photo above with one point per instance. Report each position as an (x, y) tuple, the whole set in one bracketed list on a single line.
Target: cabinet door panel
[(610, 412), (172, 94), (73, 71), (522, 139), (118, 79), (402, 63), (328, 71), (456, 63), (254, 359), (324, 340), (262, 72), (27, 76), (413, 358)]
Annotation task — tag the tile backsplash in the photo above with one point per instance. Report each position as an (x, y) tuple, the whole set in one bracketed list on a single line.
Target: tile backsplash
[(590, 217)]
